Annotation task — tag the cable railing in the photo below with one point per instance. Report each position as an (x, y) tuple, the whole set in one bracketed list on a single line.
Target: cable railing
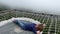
[(50, 25)]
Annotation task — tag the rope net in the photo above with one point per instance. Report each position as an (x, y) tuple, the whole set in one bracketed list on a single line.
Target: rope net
[(52, 22)]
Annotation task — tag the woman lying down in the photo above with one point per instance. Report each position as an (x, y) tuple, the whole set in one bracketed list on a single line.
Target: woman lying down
[(26, 24)]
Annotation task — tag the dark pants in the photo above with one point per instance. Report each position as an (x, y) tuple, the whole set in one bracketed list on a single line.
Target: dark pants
[(21, 23)]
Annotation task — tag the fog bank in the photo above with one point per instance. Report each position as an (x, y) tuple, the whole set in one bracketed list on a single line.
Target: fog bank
[(44, 6)]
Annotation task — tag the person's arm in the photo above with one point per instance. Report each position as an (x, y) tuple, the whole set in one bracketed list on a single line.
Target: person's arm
[(34, 31), (38, 32)]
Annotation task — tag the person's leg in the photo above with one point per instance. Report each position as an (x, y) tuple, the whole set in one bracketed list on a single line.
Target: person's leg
[(20, 24), (25, 22)]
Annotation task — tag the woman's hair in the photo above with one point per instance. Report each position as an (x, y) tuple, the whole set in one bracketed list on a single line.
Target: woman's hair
[(40, 27)]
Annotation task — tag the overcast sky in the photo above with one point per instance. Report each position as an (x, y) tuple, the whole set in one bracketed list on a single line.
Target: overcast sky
[(46, 6)]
